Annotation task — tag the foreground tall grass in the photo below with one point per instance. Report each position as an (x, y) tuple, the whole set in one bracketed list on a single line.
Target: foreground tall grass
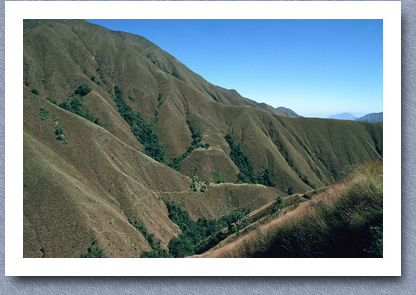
[(344, 221)]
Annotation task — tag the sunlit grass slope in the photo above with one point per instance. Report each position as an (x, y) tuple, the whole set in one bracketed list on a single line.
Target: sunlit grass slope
[(302, 153), (343, 221)]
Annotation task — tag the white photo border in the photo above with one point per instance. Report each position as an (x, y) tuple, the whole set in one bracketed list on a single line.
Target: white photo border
[(17, 11)]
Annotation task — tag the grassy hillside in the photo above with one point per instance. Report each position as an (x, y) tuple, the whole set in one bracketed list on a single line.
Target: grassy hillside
[(88, 186), (60, 56), (346, 220), (113, 125)]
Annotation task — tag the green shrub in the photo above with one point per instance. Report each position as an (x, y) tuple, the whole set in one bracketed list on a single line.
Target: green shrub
[(214, 97), (51, 100), (35, 91), (76, 106), (195, 232), (174, 74), (160, 100), (203, 189), (307, 181), (181, 246), (193, 186), (218, 177), (278, 205), (154, 243), (82, 90), (264, 178), (43, 113), (59, 133), (196, 136), (94, 251)]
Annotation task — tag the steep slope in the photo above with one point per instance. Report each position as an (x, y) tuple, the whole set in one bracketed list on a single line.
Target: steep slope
[(88, 186), (346, 220), (61, 55), (90, 181), (373, 117)]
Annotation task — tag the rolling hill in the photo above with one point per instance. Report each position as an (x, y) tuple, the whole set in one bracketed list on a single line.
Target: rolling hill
[(115, 128)]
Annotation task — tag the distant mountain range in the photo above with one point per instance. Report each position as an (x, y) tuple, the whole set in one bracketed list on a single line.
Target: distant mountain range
[(372, 117)]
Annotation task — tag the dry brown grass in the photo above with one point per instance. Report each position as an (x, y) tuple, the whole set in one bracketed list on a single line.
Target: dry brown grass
[(86, 190), (349, 208), (61, 54)]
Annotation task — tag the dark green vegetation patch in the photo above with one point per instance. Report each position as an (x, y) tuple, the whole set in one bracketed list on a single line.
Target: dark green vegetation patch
[(218, 177), (76, 104), (94, 251), (82, 90), (59, 132), (35, 91), (199, 236), (154, 243), (144, 131), (43, 113), (246, 173), (196, 143)]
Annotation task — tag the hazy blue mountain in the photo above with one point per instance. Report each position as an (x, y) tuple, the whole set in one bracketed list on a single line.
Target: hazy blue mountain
[(343, 116)]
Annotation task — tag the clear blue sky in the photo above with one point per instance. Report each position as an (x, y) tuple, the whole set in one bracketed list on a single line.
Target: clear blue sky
[(315, 67)]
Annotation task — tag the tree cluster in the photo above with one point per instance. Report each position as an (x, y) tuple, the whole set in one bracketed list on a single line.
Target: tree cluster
[(197, 235), (196, 143), (246, 173), (76, 104), (144, 131)]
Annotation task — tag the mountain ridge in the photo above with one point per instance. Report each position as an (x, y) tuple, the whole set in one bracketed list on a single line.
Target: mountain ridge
[(372, 117), (281, 111)]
